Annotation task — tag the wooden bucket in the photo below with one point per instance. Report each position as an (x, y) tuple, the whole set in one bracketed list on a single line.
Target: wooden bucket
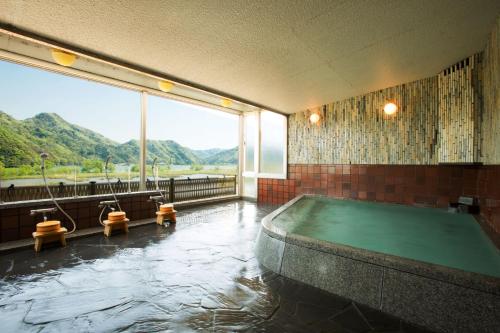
[(167, 208), (116, 216), (48, 226)]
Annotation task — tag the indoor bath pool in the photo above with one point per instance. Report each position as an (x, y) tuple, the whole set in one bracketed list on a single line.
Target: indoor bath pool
[(425, 234), (428, 266)]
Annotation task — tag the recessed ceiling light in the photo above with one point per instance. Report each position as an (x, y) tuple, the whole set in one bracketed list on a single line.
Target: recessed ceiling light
[(226, 102), (63, 58), (165, 86)]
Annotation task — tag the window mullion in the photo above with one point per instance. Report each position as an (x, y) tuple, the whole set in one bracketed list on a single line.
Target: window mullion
[(142, 141)]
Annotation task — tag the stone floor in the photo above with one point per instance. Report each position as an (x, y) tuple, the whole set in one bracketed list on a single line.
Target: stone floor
[(200, 275)]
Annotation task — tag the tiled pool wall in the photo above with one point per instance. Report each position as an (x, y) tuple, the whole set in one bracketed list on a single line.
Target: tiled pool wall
[(439, 298), (429, 185)]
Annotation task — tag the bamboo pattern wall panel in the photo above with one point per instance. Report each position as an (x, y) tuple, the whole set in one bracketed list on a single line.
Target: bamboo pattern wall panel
[(357, 131), (460, 108), (440, 119), (490, 128)]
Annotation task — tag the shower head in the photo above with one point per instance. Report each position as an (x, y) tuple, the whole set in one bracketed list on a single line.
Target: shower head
[(43, 156), (109, 183), (154, 163), (107, 162)]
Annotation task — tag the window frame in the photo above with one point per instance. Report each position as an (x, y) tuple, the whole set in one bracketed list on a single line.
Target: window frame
[(257, 173)]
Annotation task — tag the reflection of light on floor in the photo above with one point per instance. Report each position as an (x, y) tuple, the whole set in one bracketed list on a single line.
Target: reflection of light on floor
[(247, 216), (249, 211), (202, 215)]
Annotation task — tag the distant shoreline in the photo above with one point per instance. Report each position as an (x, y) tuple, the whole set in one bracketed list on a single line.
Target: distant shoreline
[(176, 171)]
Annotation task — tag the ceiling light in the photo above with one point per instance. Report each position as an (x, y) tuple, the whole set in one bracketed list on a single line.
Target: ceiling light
[(314, 118), (165, 86), (226, 102), (63, 58), (390, 108)]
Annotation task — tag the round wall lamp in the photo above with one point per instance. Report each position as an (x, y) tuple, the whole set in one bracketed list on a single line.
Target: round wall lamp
[(226, 102), (390, 108), (165, 86), (314, 118), (63, 58)]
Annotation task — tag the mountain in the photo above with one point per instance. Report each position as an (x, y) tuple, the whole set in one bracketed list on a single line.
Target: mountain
[(223, 156), (16, 147), (206, 153), (22, 141), (217, 156)]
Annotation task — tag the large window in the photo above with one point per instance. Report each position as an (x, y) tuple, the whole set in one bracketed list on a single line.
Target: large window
[(191, 141), (79, 123)]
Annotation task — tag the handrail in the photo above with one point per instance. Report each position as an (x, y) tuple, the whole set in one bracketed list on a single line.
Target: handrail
[(183, 189)]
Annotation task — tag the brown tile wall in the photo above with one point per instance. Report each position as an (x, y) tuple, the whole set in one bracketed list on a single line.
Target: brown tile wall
[(432, 185), (16, 223)]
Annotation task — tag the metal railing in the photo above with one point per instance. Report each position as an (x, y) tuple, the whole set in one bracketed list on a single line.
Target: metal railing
[(176, 189)]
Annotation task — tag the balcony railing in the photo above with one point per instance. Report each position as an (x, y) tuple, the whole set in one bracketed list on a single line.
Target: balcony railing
[(176, 189)]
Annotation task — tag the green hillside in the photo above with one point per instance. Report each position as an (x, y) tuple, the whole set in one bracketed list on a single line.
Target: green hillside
[(227, 156), (206, 153), (21, 142)]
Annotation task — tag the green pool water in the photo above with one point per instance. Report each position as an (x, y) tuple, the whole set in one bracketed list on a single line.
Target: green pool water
[(425, 234)]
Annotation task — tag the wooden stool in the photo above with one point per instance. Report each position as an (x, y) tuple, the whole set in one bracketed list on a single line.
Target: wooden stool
[(48, 232), (162, 216), (167, 208), (109, 226)]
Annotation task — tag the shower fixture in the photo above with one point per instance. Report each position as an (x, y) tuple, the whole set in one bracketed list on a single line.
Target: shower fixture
[(49, 231), (117, 218)]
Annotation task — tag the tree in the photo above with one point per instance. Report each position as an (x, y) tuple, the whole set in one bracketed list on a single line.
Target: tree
[(25, 170), (196, 167), (111, 167), (93, 166)]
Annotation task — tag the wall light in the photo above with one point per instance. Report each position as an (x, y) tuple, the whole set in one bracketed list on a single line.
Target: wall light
[(165, 86), (226, 102), (390, 108), (63, 58), (314, 118)]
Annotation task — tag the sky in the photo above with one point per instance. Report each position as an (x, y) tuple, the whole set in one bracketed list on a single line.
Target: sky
[(110, 111)]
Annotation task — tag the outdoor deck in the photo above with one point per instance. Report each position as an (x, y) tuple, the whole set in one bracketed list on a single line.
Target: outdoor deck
[(200, 275)]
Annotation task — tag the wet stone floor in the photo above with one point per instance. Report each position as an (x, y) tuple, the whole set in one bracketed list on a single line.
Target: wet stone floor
[(198, 276)]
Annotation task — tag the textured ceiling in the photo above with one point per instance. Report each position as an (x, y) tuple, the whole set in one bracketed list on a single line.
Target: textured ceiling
[(287, 55)]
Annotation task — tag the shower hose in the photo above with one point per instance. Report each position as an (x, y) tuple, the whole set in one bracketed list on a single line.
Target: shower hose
[(155, 178), (112, 192), (44, 156)]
